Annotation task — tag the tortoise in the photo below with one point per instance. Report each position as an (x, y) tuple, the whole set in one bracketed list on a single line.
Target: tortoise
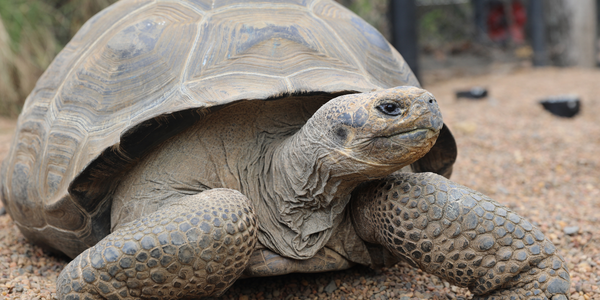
[(175, 146)]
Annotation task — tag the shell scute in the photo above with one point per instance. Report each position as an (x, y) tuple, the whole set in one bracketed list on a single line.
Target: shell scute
[(62, 146), (21, 191), (264, 42), (23, 205), (65, 214), (134, 40), (72, 54)]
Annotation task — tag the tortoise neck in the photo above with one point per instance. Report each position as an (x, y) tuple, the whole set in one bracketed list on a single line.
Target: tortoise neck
[(302, 196), (304, 166)]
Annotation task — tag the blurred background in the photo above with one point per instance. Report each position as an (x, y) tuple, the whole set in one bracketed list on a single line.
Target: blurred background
[(543, 167), (440, 39)]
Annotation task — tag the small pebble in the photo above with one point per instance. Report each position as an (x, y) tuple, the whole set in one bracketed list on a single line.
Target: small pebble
[(331, 287), (571, 230)]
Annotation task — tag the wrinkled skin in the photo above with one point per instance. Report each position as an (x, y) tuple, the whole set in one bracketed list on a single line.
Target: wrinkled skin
[(337, 170)]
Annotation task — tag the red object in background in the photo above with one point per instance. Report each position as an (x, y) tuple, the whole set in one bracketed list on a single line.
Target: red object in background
[(498, 22)]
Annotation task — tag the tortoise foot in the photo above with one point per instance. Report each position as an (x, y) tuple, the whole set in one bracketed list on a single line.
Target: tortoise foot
[(197, 247), (549, 279), (461, 236)]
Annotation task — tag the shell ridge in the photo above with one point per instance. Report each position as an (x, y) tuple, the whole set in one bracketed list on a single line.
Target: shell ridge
[(47, 226), (322, 68), (188, 5), (288, 83), (258, 6), (312, 5), (232, 73), (184, 72), (76, 162)]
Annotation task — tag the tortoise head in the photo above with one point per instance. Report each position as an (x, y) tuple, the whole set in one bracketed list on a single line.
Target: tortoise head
[(382, 131)]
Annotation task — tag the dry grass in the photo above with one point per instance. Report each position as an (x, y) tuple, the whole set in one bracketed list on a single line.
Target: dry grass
[(32, 32), (6, 57), (27, 47)]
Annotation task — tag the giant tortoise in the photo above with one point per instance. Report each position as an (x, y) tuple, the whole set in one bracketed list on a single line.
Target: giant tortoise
[(175, 146)]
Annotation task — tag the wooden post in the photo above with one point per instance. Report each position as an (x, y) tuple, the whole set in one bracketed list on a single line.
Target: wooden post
[(479, 14), (538, 32), (404, 31)]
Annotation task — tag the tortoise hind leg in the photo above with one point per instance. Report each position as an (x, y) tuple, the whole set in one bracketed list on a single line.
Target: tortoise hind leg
[(197, 246), (459, 235)]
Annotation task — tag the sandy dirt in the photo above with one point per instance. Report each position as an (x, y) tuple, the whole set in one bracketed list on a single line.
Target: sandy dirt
[(544, 167)]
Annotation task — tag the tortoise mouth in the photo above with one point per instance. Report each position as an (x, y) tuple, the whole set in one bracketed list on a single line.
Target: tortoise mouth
[(416, 134)]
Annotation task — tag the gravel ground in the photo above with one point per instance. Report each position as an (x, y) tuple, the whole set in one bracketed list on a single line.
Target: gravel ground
[(543, 167)]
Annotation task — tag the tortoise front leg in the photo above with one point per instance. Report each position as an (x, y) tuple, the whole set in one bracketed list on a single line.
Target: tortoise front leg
[(461, 236), (197, 246)]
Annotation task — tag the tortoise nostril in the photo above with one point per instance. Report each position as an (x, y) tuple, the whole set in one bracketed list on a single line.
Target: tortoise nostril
[(430, 100)]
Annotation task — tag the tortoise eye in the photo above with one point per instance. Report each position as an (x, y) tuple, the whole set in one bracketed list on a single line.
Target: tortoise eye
[(390, 108)]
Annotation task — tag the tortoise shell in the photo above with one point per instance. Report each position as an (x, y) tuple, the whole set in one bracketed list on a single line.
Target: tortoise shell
[(141, 71)]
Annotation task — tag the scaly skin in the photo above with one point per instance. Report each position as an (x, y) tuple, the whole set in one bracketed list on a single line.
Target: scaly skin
[(461, 236), (197, 246)]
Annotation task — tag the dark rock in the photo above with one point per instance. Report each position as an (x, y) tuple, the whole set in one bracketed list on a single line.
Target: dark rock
[(473, 93), (563, 106)]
